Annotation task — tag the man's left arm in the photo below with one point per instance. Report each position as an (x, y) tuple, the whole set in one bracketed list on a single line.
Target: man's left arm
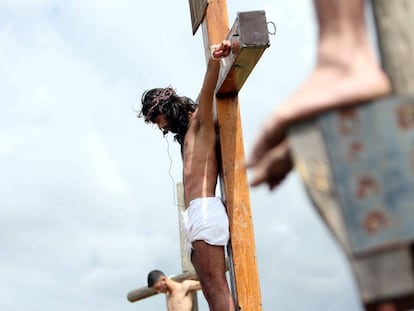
[(192, 286)]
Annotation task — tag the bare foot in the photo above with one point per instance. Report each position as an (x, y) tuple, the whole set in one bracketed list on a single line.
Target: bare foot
[(334, 83)]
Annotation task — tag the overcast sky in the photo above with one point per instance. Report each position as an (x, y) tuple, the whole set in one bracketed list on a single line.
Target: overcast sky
[(86, 198)]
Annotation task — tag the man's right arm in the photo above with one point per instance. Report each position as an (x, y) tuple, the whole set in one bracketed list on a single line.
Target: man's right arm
[(206, 96)]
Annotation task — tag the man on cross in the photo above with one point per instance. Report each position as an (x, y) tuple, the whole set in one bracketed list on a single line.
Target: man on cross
[(179, 294), (205, 222)]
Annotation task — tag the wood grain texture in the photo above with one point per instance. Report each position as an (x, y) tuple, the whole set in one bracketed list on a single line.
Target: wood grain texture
[(386, 275), (395, 24), (235, 190), (197, 12)]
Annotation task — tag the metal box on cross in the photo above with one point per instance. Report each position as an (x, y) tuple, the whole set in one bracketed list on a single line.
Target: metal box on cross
[(249, 37)]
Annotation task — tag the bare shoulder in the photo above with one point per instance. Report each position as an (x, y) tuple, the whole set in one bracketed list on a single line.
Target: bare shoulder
[(180, 289), (194, 122), (201, 128), (191, 285)]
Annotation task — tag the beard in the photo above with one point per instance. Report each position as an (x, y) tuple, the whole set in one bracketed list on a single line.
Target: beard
[(178, 128)]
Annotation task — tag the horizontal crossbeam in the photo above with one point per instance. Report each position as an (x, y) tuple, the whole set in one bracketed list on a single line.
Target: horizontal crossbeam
[(197, 10), (145, 292), (249, 37)]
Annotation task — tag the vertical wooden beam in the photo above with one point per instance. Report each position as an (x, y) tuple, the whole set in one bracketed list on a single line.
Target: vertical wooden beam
[(395, 24), (237, 198), (385, 276), (187, 268), (186, 264), (234, 179)]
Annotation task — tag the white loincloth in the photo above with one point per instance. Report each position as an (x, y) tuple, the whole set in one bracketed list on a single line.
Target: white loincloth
[(205, 219)]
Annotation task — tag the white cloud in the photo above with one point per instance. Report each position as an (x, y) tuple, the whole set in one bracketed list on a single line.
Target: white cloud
[(104, 168)]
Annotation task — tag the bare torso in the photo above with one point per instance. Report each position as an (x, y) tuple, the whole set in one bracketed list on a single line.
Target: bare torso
[(180, 299), (200, 169)]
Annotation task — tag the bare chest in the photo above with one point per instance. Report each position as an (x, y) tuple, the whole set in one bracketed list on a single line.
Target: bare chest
[(200, 168)]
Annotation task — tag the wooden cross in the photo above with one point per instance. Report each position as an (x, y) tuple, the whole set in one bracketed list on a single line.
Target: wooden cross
[(249, 37), (379, 242), (188, 272)]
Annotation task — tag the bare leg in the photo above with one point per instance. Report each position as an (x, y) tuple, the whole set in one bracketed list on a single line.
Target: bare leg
[(346, 73), (209, 263)]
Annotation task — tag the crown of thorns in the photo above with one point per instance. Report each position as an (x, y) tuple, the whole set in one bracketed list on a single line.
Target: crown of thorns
[(159, 100), (163, 96)]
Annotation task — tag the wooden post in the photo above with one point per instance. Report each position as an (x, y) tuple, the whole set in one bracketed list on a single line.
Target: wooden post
[(249, 38), (185, 261), (381, 260), (186, 264), (235, 189), (394, 23), (187, 268)]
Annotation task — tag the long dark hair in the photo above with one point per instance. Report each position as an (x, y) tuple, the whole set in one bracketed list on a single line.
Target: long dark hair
[(165, 101)]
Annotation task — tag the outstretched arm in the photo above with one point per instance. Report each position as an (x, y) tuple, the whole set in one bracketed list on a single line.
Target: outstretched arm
[(192, 286), (206, 96)]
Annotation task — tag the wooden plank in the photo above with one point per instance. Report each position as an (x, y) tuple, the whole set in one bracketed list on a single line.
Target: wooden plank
[(249, 37), (386, 152), (373, 171), (145, 292), (233, 178), (312, 163), (395, 24), (237, 201), (186, 265), (197, 10), (374, 272), (386, 275)]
